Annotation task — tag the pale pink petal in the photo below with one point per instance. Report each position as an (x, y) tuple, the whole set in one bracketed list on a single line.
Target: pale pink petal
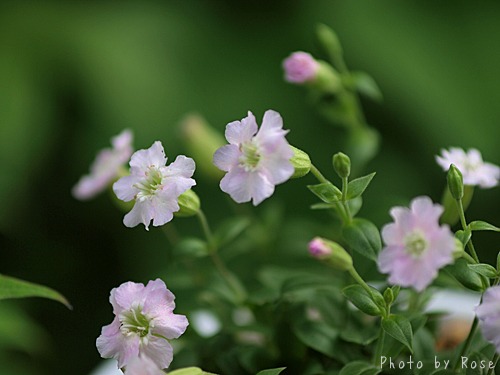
[(124, 188), (142, 212), (182, 166), (143, 365), (243, 186), (159, 300), (226, 157), (159, 350), (277, 168), (142, 159), (392, 234), (171, 326), (126, 295), (112, 344), (123, 141), (238, 132)]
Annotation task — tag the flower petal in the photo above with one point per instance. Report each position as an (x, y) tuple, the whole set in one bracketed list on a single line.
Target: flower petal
[(227, 157), (238, 132), (159, 350), (142, 159), (244, 186), (124, 188)]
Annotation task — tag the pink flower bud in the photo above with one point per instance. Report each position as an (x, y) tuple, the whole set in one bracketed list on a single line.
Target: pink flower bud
[(300, 67)]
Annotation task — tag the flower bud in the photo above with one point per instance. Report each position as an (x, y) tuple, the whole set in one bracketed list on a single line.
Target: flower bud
[(300, 67), (389, 296), (301, 162), (459, 250), (201, 142), (189, 204), (330, 252), (455, 182), (342, 164)]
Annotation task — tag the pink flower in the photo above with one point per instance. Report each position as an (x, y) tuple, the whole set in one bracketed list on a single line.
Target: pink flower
[(474, 170), (144, 321), (154, 186), (300, 67), (488, 313), (416, 246), (256, 159), (143, 366), (105, 167)]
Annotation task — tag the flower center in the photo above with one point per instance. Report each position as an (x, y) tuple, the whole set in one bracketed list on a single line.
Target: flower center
[(250, 157), (133, 321), (415, 244), (150, 184)]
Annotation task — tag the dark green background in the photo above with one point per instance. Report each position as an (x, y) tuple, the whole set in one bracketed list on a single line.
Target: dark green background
[(73, 74)]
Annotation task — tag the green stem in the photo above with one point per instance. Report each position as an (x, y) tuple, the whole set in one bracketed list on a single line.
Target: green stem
[(344, 199), (467, 344), (221, 268), (341, 208), (470, 245), (355, 275)]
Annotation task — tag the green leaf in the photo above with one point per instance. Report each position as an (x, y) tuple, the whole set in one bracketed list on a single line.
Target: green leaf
[(271, 371), (483, 225), (361, 299), (463, 235), (355, 205), (327, 192), (360, 368), (477, 358), (465, 276), (231, 229), (399, 328), (190, 371), (356, 187), (484, 269), (323, 206), (363, 236), (316, 335), (11, 287), (192, 247), (366, 85)]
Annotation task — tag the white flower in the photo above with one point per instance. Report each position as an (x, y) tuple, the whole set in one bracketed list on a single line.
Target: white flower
[(105, 167), (154, 186), (474, 170), (256, 159)]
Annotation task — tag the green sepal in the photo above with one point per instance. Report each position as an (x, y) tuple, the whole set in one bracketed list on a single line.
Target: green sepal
[(365, 84), (326, 191), (483, 225), (271, 371), (464, 235), (399, 327), (455, 182), (360, 368), (356, 187), (11, 287), (301, 162), (465, 276), (363, 236), (484, 269), (341, 164), (388, 296), (189, 204), (361, 299)]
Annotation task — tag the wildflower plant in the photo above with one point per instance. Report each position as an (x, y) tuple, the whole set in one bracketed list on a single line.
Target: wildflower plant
[(332, 314)]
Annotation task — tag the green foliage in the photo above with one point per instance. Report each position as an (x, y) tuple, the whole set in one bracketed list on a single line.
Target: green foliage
[(465, 276), (358, 186), (11, 287), (327, 192), (399, 327), (483, 225), (363, 236), (361, 299), (360, 368), (272, 371)]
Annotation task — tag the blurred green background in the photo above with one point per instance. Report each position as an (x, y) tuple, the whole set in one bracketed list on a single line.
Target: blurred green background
[(73, 74)]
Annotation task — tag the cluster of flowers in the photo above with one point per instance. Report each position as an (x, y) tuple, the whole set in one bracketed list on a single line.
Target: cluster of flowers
[(255, 161)]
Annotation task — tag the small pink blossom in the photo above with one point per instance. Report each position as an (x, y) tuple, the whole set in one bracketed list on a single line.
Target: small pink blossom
[(416, 247), (300, 67), (256, 159), (144, 322), (488, 313), (474, 170), (318, 248), (143, 366), (105, 167), (154, 186)]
